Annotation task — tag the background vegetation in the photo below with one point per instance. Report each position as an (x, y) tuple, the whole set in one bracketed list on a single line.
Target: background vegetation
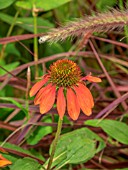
[(96, 142)]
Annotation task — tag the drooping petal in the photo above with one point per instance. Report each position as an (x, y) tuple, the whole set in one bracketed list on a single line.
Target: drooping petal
[(37, 86), (83, 90), (4, 162), (84, 101), (42, 93), (61, 102), (47, 101), (72, 104), (92, 79)]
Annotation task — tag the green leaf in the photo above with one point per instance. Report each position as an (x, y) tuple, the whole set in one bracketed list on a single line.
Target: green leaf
[(25, 164), (15, 103), (104, 4), (41, 4), (10, 157), (54, 49), (40, 132), (11, 49), (76, 147), (27, 23), (50, 4), (8, 67), (5, 3), (24, 151), (117, 130), (24, 4)]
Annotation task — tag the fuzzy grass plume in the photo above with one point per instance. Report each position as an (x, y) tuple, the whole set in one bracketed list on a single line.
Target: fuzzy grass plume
[(101, 22)]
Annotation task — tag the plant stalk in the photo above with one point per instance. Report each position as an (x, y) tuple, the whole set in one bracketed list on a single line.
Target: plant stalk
[(55, 143), (8, 34), (35, 41)]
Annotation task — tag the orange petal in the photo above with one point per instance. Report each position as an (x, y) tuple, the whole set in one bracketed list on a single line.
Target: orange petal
[(72, 104), (42, 93), (92, 79), (83, 90), (48, 101), (4, 162), (84, 101), (37, 86), (61, 103)]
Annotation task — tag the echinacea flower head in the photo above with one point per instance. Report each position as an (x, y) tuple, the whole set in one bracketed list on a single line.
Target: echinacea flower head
[(64, 81)]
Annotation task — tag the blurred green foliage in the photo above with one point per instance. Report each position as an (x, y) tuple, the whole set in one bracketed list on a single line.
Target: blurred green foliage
[(17, 18)]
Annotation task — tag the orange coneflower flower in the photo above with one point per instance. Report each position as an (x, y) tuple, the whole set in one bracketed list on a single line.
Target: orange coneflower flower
[(64, 79)]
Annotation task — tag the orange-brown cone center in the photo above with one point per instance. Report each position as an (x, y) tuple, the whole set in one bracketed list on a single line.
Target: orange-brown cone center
[(64, 73)]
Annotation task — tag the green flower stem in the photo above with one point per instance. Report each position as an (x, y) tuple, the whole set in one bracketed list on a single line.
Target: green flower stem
[(35, 41), (9, 33), (55, 143)]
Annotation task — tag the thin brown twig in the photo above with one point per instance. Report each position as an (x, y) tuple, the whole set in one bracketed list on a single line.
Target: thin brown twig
[(50, 58), (111, 41), (117, 93), (112, 105)]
